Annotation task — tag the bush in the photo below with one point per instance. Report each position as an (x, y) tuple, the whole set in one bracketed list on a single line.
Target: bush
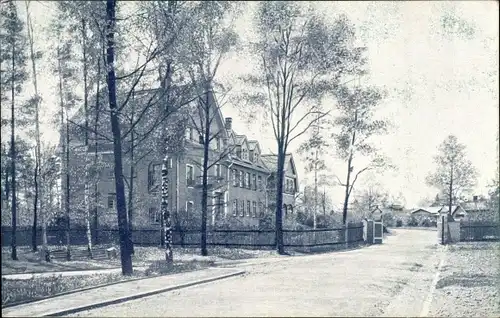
[(388, 219), (426, 222), (412, 221), (399, 223)]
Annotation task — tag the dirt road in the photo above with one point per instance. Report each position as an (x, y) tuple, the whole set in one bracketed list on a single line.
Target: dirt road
[(381, 280)]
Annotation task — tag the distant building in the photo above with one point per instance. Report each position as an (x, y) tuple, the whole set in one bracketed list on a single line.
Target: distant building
[(290, 182)]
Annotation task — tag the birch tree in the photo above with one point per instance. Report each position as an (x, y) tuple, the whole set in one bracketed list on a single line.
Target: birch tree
[(313, 150), (13, 74), (454, 173), (300, 59)]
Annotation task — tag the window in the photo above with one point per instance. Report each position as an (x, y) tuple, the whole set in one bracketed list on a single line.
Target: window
[(226, 202), (238, 152), (201, 139), (289, 185), (254, 214), (235, 207), (189, 176), (248, 208), (245, 154), (219, 202), (261, 208), (243, 180), (290, 209), (111, 200), (111, 174), (284, 209), (234, 177), (154, 216), (218, 144), (259, 178), (251, 155), (242, 208), (189, 133), (254, 178), (154, 177), (189, 207), (218, 172), (249, 181)]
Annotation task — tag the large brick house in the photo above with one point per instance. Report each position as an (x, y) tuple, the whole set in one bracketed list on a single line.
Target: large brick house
[(239, 179)]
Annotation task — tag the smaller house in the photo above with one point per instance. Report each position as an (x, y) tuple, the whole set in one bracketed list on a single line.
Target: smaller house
[(434, 211), (431, 212), (478, 210)]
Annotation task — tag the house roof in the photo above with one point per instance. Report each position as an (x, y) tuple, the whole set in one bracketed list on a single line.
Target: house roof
[(475, 206), (239, 139), (436, 209), (271, 161), (453, 208), (429, 209), (252, 144)]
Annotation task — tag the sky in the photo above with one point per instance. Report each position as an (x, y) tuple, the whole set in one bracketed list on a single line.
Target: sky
[(438, 61)]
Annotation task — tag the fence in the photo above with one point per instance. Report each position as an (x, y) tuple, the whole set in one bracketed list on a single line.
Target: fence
[(479, 231), (297, 239)]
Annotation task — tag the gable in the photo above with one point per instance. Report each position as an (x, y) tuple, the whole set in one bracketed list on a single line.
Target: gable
[(290, 166)]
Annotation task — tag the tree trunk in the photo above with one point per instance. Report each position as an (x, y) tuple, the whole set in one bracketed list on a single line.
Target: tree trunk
[(35, 214), (67, 206), (37, 174), (450, 197), (121, 209), (167, 222), (162, 223), (131, 187), (85, 107), (315, 190), (279, 201), (87, 206), (347, 185), (96, 156), (204, 195), (13, 156)]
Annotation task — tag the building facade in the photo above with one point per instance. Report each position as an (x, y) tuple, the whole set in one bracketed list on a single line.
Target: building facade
[(239, 181)]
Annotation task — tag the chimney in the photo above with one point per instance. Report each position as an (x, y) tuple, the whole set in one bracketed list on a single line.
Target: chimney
[(229, 122)]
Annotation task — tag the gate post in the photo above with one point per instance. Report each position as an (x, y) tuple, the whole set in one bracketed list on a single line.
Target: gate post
[(443, 228)]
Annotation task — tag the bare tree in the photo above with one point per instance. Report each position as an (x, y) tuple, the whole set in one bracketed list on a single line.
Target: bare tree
[(356, 124), (203, 57), (454, 172), (371, 197), (301, 58)]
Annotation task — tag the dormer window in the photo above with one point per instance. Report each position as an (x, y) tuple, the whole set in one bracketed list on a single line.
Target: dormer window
[(245, 154), (238, 152), (251, 156)]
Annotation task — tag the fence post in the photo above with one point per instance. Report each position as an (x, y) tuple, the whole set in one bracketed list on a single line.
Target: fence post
[(346, 235)]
